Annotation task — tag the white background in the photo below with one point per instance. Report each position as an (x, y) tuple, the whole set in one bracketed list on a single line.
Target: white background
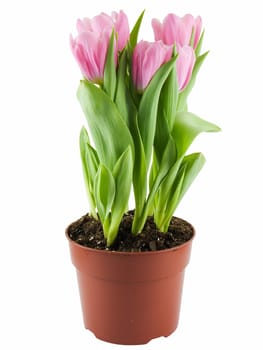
[(42, 189)]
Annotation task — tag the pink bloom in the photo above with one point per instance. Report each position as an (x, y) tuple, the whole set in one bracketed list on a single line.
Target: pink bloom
[(121, 25), (105, 23), (147, 59), (90, 50), (184, 65), (177, 30), (91, 45)]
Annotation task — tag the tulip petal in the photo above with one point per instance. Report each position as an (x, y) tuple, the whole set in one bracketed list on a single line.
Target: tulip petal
[(198, 28), (122, 28), (177, 30), (90, 50), (171, 30), (187, 28), (184, 66), (147, 59), (157, 28), (91, 45), (102, 23)]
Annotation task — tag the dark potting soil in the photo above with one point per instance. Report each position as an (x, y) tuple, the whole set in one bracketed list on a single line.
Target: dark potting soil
[(88, 232)]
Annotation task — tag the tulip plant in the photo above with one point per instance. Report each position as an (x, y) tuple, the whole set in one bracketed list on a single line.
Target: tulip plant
[(134, 96)]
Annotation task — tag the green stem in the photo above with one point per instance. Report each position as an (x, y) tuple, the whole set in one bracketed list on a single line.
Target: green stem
[(111, 228), (160, 219), (138, 221), (141, 217)]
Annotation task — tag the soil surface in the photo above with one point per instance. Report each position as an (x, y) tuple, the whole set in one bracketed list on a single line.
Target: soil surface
[(88, 232)]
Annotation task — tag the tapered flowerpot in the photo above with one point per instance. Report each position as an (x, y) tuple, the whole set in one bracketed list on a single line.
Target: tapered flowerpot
[(130, 298)]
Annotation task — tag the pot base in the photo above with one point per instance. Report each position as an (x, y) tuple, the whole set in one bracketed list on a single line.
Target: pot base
[(142, 341), (130, 298), (131, 312)]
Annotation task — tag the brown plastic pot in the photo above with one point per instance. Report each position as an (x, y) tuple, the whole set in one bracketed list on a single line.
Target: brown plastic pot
[(130, 298)]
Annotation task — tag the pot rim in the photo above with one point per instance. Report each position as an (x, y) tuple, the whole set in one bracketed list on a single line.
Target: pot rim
[(114, 252)]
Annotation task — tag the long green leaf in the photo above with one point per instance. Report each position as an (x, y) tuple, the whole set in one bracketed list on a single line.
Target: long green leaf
[(186, 127), (135, 31), (184, 177), (166, 112), (109, 131), (199, 45), (109, 82), (148, 108), (104, 189), (182, 100), (162, 134), (167, 184), (140, 171), (193, 164), (90, 165), (169, 97), (89, 153), (168, 160), (171, 204), (130, 47), (122, 174), (166, 163), (128, 109), (123, 98)]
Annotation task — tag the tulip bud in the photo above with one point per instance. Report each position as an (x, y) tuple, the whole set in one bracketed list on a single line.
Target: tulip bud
[(147, 59), (91, 45), (177, 30)]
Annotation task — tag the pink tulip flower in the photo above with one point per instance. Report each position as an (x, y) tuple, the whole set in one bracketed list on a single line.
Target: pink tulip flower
[(147, 59), (104, 23), (90, 50), (91, 45), (184, 66), (177, 30), (121, 26)]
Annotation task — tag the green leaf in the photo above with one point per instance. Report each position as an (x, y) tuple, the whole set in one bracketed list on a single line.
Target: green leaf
[(192, 163), (148, 108), (162, 134), (104, 189), (192, 38), (83, 142), (122, 174), (169, 97), (168, 160), (182, 101), (173, 192), (166, 185), (140, 171), (166, 113), (90, 165), (109, 82), (89, 153), (109, 131), (199, 45), (135, 31), (128, 109), (186, 127), (152, 176), (166, 163), (123, 98), (167, 211)]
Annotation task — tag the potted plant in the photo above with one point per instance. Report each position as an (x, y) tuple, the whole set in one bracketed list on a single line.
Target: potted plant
[(130, 263)]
